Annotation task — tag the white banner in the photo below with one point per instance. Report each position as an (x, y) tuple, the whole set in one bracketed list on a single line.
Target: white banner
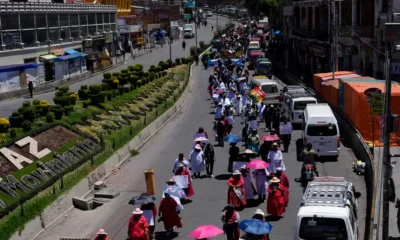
[(182, 181)]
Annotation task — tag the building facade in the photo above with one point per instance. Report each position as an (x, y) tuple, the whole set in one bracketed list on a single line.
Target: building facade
[(348, 31), (123, 6), (31, 29)]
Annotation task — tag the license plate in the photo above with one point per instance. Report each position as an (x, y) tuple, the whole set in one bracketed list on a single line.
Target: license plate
[(322, 143)]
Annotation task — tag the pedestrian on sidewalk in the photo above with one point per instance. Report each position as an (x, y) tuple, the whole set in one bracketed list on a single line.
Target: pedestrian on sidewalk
[(183, 44), (168, 214), (102, 235), (30, 88), (138, 228), (233, 156)]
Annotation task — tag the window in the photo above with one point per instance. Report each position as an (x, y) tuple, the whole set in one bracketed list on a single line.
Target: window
[(52, 20), (113, 27), (100, 28), (269, 88), (99, 17), (41, 21), (65, 33), (106, 17), (301, 105), (9, 22), (75, 33), (321, 130), (54, 35), (106, 28), (84, 31), (27, 21), (64, 20), (83, 19), (112, 18), (42, 36), (322, 229), (92, 30), (28, 38), (74, 19), (91, 18)]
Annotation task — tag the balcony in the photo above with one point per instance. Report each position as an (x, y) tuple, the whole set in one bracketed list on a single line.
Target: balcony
[(366, 32), (317, 34)]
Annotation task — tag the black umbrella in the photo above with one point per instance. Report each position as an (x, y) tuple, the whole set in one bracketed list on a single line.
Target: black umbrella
[(144, 198)]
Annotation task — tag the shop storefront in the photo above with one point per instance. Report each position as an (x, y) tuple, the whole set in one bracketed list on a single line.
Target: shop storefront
[(319, 58), (69, 65), (48, 65), (15, 77), (97, 54), (109, 43)]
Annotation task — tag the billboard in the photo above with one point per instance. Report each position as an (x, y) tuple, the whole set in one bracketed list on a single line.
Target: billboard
[(190, 4), (160, 13)]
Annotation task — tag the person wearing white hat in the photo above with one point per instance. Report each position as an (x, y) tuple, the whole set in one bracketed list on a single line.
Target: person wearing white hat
[(102, 235), (236, 192), (196, 159), (276, 198), (238, 104), (138, 228), (275, 159)]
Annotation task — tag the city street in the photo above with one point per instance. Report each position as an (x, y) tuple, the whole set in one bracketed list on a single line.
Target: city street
[(210, 194), (205, 34)]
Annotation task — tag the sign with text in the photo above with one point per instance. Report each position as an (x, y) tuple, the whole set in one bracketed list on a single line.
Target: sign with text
[(160, 13)]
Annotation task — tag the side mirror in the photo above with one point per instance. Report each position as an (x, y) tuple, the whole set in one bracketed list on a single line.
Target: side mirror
[(357, 194)]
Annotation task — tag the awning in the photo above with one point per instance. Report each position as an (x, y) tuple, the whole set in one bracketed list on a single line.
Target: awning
[(67, 57), (48, 56), (72, 51), (15, 67)]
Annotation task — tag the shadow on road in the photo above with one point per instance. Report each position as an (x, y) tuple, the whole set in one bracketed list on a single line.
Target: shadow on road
[(163, 235), (271, 218), (223, 176)]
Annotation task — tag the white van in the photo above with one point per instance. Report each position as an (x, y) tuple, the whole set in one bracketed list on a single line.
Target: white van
[(320, 128), (254, 45), (329, 210), (295, 103)]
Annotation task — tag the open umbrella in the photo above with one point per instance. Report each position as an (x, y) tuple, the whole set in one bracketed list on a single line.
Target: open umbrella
[(255, 226), (257, 164), (270, 138), (232, 138), (143, 198), (249, 153), (206, 231), (174, 191)]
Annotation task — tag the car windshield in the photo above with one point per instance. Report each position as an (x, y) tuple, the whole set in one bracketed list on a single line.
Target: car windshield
[(265, 65), (322, 130), (301, 105), (322, 229), (269, 88), (186, 31)]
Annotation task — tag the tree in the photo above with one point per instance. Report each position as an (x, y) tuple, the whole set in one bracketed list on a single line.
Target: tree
[(268, 7)]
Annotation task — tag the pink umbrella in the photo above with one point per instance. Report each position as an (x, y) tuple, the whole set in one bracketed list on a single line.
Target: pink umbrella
[(200, 139), (206, 231), (270, 138), (257, 164)]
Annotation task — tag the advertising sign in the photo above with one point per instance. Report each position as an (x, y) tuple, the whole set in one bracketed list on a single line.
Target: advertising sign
[(160, 13), (190, 4), (121, 22), (11, 38), (396, 69)]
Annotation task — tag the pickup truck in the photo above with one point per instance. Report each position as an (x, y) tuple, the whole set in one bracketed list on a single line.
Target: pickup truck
[(329, 210)]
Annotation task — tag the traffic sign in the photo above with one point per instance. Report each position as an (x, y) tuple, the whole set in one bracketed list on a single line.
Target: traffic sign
[(376, 103), (377, 99)]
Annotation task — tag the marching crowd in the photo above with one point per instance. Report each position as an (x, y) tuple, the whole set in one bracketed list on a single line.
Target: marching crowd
[(229, 91)]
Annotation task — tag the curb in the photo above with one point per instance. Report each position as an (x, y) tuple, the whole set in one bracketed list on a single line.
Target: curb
[(184, 95)]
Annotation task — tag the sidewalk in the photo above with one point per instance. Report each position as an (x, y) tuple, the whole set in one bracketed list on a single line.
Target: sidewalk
[(393, 229)]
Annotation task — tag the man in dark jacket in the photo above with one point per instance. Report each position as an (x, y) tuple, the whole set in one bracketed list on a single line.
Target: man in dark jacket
[(221, 130), (209, 157), (245, 133), (268, 112)]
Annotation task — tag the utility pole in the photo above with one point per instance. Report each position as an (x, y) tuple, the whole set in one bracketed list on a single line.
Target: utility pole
[(386, 169), (332, 19), (195, 22)]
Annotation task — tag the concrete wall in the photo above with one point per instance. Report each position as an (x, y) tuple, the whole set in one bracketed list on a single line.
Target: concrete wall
[(61, 206)]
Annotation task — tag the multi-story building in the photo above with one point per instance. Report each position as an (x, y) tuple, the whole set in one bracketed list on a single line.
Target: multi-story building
[(311, 31), (31, 29), (123, 6)]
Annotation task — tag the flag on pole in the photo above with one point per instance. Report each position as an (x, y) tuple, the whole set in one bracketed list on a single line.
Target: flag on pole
[(256, 94)]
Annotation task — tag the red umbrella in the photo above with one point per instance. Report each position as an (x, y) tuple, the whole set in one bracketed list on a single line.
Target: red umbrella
[(257, 164), (206, 231), (270, 138)]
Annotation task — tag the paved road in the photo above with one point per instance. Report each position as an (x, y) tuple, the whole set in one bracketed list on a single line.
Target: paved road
[(7, 107), (210, 194)]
